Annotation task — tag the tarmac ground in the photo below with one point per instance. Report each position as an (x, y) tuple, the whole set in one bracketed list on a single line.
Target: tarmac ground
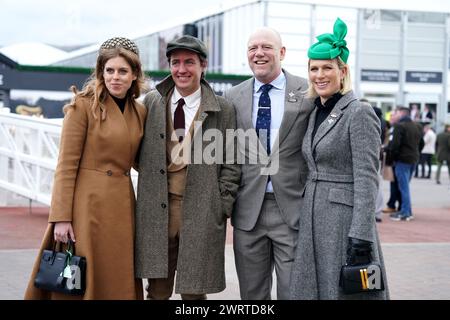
[(416, 253)]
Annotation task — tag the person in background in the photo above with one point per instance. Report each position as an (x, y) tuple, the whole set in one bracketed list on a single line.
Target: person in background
[(405, 148), (270, 106), (443, 152), (93, 197), (380, 200), (183, 202), (427, 153), (415, 113), (387, 115), (395, 198), (426, 116), (341, 148)]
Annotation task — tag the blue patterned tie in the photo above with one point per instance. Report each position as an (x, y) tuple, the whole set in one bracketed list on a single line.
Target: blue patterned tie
[(263, 118)]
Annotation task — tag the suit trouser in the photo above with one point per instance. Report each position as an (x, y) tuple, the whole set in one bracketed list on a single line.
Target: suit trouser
[(270, 244), (379, 203), (161, 289), (380, 199), (404, 172), (395, 195), (425, 158), (438, 171)]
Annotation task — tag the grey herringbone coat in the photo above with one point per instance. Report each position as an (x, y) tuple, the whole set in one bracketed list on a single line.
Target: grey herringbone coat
[(339, 199), (208, 200)]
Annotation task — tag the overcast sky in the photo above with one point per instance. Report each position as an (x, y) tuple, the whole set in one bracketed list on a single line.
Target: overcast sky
[(64, 22), (75, 22)]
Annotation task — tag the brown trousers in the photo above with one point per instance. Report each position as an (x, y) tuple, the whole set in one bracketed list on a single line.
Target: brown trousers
[(161, 289)]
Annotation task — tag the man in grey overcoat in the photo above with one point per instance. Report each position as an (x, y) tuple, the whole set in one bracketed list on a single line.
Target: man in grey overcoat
[(267, 208), (184, 199)]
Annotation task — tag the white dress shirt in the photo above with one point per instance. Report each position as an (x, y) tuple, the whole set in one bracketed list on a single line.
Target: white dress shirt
[(192, 103), (277, 97)]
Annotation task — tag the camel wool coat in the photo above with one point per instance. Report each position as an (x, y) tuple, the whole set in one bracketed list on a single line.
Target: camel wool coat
[(338, 199), (208, 200), (93, 190)]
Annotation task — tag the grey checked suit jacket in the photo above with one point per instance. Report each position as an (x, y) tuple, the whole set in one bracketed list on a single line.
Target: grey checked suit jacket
[(289, 179)]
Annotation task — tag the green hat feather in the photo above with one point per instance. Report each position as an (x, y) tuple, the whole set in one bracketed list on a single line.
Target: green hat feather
[(330, 45)]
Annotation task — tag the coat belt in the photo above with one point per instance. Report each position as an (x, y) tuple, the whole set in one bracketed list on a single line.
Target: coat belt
[(321, 176)]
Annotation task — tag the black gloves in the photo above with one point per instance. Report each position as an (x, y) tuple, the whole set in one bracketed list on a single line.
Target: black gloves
[(358, 251)]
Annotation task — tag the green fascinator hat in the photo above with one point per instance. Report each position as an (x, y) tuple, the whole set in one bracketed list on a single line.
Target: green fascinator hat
[(330, 45)]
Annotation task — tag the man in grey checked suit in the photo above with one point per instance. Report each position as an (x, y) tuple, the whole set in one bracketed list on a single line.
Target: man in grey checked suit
[(266, 212)]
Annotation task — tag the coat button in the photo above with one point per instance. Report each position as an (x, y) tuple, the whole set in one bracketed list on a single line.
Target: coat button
[(163, 205), (162, 171), (127, 173), (161, 135), (109, 173)]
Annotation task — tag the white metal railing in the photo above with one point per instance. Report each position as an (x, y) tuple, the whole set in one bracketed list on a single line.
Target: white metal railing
[(28, 155), (29, 148)]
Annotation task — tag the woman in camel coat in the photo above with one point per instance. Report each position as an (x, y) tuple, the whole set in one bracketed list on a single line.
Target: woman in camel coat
[(93, 198)]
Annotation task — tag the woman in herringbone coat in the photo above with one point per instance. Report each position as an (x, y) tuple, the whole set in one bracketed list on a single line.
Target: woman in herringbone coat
[(93, 198), (341, 147)]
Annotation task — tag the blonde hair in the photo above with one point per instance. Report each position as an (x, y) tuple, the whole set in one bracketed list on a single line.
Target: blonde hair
[(346, 84), (95, 87)]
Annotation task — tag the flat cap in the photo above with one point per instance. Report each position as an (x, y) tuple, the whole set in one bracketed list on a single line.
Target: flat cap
[(187, 43)]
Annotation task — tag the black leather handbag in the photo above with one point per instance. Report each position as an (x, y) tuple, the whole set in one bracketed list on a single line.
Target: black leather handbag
[(361, 278), (62, 272)]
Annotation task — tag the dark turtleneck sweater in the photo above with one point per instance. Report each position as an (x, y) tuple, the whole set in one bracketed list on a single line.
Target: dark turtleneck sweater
[(120, 102), (324, 110)]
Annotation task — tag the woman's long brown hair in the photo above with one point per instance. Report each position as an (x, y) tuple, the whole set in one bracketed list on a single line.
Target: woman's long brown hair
[(95, 87)]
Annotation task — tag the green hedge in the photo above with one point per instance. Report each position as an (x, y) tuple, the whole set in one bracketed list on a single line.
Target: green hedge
[(155, 73)]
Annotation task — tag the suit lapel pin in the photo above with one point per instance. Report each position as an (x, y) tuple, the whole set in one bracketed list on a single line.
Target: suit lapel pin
[(203, 116), (292, 97)]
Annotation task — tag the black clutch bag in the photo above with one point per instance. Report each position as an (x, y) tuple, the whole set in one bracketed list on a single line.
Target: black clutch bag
[(361, 278), (62, 272)]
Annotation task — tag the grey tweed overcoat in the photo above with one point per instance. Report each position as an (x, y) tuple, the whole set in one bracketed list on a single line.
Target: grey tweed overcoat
[(338, 199), (208, 200)]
